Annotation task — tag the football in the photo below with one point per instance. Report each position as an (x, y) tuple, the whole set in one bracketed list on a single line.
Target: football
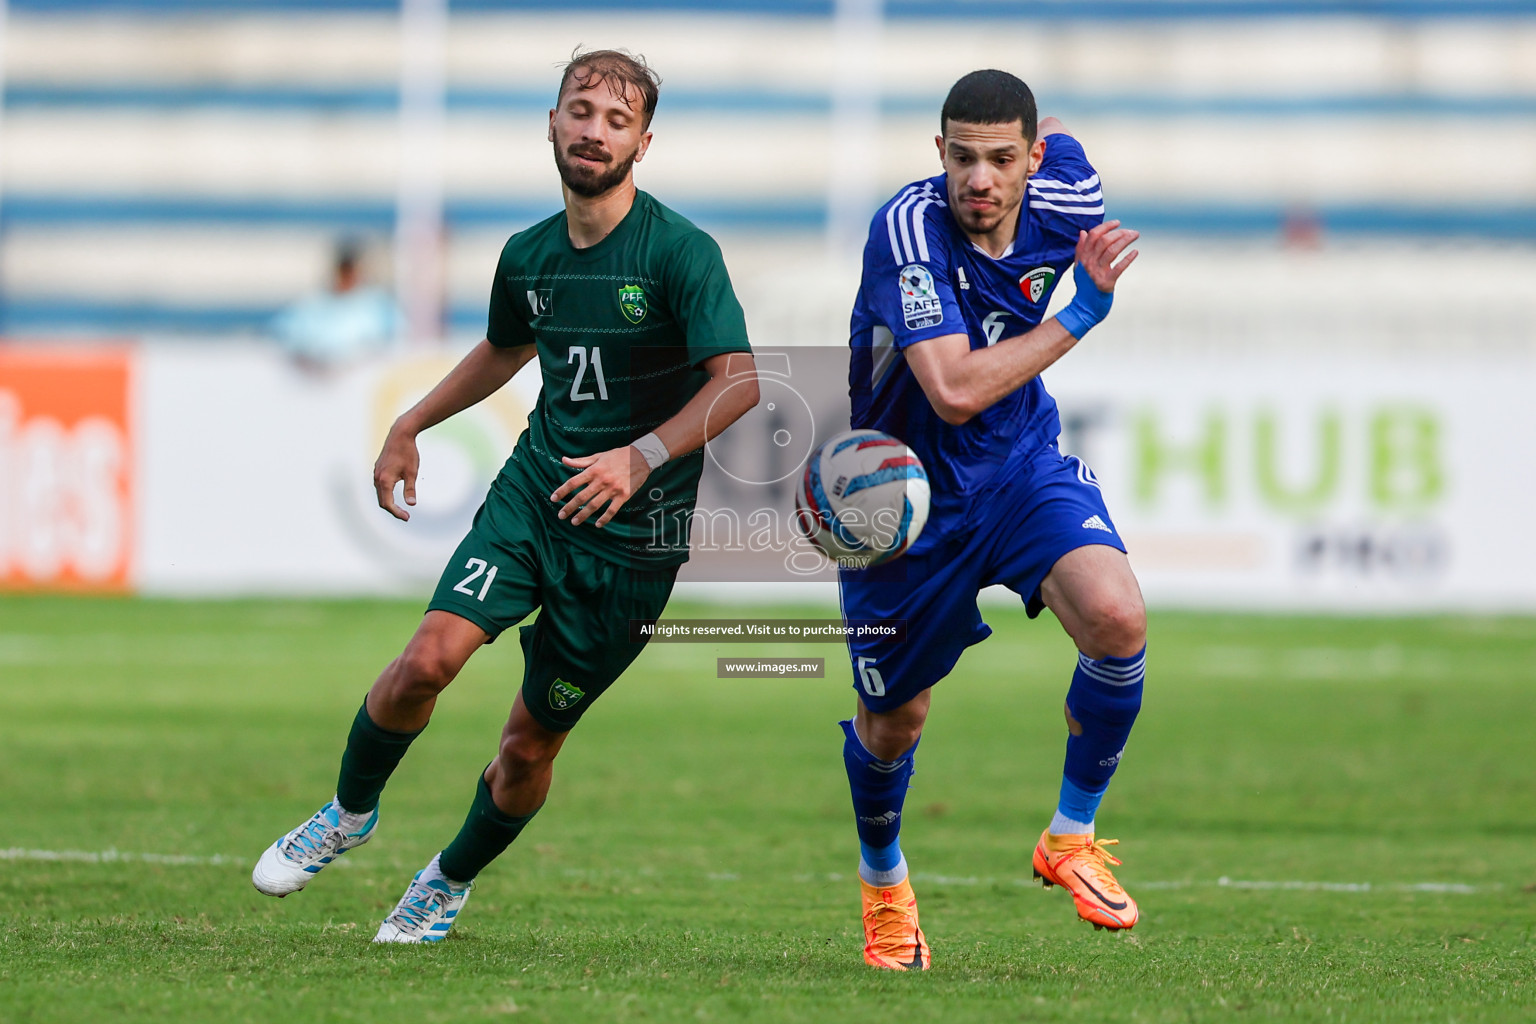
[(863, 498)]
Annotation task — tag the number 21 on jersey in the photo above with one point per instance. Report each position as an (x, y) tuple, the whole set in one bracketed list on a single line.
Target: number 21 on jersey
[(479, 567), (578, 354)]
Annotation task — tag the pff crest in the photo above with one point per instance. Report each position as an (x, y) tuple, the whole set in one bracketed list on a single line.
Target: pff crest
[(1036, 283), (632, 303), (563, 694)]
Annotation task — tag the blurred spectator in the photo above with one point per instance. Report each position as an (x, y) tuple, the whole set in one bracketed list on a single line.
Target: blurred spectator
[(348, 320), (1302, 228)]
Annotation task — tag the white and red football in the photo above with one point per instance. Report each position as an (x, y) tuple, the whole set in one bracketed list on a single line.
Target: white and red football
[(863, 498)]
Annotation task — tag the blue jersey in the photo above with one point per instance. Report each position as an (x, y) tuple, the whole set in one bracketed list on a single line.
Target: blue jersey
[(923, 278)]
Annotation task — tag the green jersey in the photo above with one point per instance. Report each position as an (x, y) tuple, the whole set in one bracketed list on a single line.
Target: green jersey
[(621, 328)]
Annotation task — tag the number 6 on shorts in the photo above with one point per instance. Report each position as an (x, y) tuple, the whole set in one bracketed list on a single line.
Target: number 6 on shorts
[(870, 677)]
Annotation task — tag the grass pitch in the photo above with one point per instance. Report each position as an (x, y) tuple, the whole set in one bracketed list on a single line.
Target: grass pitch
[(1364, 788)]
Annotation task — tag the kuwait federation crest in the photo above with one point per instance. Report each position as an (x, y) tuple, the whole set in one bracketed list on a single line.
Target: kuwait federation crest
[(563, 695), (1036, 283), (632, 302)]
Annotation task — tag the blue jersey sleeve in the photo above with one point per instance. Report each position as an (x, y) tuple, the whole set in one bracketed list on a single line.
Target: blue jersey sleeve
[(1065, 194), (907, 269)]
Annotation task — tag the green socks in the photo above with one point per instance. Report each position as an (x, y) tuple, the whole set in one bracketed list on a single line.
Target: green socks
[(487, 831), (371, 755)]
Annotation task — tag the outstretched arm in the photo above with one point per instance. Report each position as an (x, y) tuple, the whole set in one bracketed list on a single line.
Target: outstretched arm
[(960, 381), (478, 376), (609, 478)]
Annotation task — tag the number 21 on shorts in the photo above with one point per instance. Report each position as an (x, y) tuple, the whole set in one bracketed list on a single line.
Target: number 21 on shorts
[(478, 567), (870, 678)]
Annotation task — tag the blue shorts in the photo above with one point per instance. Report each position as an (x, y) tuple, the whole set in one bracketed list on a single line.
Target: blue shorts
[(1049, 506)]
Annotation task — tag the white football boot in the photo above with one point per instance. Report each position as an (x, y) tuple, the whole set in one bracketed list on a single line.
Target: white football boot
[(289, 864), (425, 912)]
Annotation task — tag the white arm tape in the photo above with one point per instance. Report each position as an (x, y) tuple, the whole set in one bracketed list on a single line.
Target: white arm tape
[(652, 450)]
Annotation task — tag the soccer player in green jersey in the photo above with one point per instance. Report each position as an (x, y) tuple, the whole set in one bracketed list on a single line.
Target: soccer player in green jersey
[(644, 355)]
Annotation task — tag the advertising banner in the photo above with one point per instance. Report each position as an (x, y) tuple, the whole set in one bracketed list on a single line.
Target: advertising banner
[(1323, 481), (67, 478), (258, 472), (1249, 481)]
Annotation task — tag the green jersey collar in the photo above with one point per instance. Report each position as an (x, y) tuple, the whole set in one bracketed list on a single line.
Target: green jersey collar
[(621, 230)]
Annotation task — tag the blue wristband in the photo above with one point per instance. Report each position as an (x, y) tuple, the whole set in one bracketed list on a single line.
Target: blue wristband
[(1087, 307)]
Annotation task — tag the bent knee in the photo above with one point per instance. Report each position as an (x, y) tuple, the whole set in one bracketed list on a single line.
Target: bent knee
[(524, 752), (1115, 629), (424, 669), (890, 736), (890, 744)]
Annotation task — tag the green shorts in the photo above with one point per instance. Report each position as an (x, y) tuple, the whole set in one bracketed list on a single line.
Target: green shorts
[(514, 561)]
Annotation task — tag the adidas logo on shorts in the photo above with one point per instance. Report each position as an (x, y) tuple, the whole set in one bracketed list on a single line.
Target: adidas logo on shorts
[(1095, 523)]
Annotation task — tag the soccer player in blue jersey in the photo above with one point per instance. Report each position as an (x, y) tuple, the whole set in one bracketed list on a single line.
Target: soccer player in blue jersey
[(948, 343)]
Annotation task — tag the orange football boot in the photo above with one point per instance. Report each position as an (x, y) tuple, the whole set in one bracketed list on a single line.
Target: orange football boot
[(1080, 865), (892, 938)]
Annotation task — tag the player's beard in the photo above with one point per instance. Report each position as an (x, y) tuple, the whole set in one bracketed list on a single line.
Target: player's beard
[(978, 223), (586, 182)]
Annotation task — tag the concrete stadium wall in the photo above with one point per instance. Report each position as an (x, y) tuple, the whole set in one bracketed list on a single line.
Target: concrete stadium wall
[(189, 172)]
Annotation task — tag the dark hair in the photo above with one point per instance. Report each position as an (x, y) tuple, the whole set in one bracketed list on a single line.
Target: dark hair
[(991, 97), (620, 70), (347, 254)]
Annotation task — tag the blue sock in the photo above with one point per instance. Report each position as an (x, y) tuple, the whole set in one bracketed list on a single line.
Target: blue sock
[(1101, 708), (879, 789)]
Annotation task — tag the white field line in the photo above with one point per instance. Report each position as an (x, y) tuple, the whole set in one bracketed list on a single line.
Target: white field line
[(1206, 883), (116, 857), (923, 878), (1244, 883)]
